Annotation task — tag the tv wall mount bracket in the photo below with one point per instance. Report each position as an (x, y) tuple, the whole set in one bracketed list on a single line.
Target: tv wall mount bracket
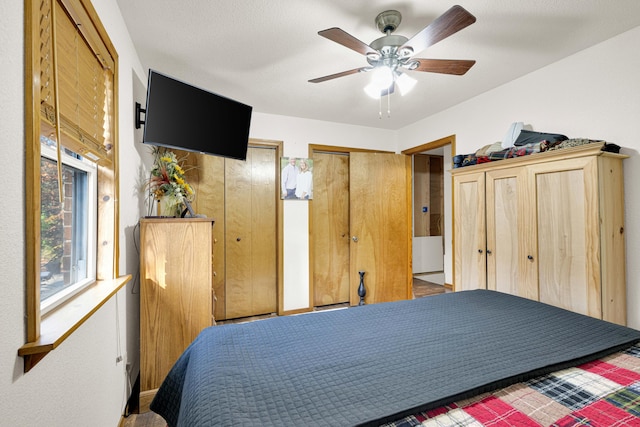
[(139, 112)]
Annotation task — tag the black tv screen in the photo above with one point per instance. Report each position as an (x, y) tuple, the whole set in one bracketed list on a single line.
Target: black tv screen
[(179, 115)]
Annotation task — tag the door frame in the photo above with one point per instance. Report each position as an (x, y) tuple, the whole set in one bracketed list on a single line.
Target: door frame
[(438, 143), (328, 149)]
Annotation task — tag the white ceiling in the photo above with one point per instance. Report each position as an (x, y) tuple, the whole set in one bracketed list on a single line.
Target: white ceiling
[(263, 52)]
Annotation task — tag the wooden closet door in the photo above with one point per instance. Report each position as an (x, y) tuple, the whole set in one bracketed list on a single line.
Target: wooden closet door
[(250, 234), (330, 228), (380, 223), (470, 243)]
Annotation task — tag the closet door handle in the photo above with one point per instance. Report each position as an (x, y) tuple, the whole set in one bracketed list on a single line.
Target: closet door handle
[(479, 251), (530, 258), (355, 238), (488, 251)]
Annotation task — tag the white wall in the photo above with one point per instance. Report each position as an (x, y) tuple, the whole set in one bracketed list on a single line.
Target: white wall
[(427, 254), (592, 94)]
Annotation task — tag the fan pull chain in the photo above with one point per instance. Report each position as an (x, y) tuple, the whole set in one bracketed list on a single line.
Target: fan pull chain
[(388, 105)]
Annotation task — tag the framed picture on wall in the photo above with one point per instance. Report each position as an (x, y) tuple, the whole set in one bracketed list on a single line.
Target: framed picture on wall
[(296, 178)]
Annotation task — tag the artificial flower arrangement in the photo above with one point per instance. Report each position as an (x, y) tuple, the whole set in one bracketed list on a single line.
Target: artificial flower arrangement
[(167, 183)]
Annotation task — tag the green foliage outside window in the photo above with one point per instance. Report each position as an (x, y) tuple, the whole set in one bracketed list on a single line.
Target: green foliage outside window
[(51, 221)]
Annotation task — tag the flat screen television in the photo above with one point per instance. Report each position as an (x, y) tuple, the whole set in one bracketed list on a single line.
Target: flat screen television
[(179, 115)]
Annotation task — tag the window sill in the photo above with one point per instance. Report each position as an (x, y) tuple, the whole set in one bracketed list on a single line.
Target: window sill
[(56, 326)]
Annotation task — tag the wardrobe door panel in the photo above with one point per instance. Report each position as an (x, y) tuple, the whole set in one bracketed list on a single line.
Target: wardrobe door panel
[(568, 235), (503, 230), (469, 229)]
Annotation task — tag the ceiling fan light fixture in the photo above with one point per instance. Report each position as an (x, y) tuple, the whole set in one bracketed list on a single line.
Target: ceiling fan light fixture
[(405, 83), (373, 57), (411, 65), (373, 91), (382, 77), (376, 92)]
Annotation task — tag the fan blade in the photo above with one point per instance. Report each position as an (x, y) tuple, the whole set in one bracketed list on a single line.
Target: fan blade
[(444, 66), (345, 39), (335, 76), (450, 22)]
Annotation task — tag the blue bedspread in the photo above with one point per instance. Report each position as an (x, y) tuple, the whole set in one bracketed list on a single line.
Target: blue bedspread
[(365, 365)]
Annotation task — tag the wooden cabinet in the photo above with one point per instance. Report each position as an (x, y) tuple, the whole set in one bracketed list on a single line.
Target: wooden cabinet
[(548, 227), (175, 292)]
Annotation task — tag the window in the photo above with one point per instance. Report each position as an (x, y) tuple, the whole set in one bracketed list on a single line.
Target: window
[(67, 228), (71, 171)]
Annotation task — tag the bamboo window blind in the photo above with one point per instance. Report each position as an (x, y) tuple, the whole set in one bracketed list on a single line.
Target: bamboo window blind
[(73, 58)]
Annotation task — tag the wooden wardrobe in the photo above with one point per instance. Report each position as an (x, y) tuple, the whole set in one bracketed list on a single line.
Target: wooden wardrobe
[(548, 226)]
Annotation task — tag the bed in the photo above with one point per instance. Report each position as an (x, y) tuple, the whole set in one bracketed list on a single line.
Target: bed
[(449, 356)]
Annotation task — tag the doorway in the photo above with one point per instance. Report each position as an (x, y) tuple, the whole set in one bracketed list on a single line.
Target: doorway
[(428, 220), (432, 228)]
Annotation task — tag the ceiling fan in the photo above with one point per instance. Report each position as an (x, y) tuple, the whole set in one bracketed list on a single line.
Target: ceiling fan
[(391, 55)]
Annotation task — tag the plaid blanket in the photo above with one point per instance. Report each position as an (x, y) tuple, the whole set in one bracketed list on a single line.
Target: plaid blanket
[(603, 393)]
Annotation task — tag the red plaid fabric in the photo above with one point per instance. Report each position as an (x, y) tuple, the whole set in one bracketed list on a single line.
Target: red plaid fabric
[(603, 393)]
